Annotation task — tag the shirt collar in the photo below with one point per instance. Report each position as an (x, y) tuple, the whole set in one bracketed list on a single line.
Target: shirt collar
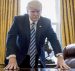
[(32, 21)]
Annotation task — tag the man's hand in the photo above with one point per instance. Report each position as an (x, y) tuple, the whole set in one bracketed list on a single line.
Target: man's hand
[(61, 63), (12, 64)]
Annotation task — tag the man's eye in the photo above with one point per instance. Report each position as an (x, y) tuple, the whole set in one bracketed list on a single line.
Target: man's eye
[(32, 11), (35, 11)]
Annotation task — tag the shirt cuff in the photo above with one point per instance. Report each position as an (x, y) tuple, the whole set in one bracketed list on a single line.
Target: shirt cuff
[(13, 55), (59, 54)]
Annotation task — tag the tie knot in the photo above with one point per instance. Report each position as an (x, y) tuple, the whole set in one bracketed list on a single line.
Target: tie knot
[(33, 23)]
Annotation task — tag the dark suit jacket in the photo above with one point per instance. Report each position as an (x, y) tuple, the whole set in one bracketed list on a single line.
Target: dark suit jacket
[(18, 38)]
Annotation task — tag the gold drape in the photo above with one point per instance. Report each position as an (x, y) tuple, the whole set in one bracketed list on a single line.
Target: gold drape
[(68, 21), (8, 9)]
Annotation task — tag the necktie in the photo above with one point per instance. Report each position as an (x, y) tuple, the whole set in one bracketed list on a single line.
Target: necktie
[(32, 47)]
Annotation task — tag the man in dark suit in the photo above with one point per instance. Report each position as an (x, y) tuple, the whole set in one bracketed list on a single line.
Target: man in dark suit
[(19, 39)]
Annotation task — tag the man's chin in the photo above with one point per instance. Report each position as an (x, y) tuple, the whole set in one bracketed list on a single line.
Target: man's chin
[(35, 20)]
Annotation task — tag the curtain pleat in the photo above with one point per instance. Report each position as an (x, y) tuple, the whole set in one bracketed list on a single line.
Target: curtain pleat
[(8, 9), (68, 22)]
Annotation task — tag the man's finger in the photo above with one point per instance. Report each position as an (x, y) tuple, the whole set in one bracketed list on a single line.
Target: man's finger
[(66, 67), (61, 67), (7, 67), (11, 67)]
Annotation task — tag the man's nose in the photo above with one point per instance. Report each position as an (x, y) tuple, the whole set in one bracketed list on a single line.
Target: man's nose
[(36, 13)]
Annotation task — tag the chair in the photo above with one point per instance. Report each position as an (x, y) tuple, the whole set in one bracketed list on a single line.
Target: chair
[(69, 55)]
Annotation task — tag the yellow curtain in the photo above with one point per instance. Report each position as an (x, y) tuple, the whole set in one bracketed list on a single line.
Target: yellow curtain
[(68, 21), (8, 9)]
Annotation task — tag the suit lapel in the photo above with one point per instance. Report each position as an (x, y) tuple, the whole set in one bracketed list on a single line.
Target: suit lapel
[(27, 27), (38, 30)]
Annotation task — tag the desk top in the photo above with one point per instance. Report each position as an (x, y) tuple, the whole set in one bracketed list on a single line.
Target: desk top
[(39, 69)]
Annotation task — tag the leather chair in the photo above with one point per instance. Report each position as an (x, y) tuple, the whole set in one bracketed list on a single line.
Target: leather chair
[(69, 55)]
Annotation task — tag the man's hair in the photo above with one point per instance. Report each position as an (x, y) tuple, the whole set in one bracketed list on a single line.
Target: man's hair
[(35, 4)]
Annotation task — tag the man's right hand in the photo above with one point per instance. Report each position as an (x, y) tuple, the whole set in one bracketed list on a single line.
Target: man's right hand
[(12, 64)]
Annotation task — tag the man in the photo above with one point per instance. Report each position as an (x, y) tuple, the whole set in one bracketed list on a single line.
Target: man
[(24, 38)]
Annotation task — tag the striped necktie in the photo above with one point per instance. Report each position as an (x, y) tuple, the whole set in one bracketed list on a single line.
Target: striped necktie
[(32, 47)]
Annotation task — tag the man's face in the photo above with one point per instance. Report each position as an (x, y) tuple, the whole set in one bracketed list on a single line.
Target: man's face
[(34, 14)]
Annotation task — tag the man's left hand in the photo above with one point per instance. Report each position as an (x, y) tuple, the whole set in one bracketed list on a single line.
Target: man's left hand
[(61, 63)]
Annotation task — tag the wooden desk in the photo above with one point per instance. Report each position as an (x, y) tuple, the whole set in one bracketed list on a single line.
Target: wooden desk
[(39, 69), (47, 65)]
